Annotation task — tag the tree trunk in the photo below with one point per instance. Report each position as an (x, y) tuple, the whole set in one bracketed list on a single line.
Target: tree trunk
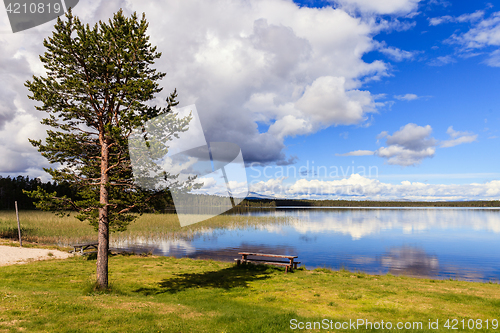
[(103, 236)]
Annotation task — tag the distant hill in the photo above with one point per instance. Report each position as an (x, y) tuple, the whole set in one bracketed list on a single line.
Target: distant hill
[(258, 196)]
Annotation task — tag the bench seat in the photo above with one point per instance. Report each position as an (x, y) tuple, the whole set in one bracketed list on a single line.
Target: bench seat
[(80, 248), (289, 265)]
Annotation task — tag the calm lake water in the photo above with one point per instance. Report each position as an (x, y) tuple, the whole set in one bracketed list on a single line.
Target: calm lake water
[(428, 242)]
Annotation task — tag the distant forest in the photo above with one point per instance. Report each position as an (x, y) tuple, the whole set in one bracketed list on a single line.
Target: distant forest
[(366, 203), (11, 190)]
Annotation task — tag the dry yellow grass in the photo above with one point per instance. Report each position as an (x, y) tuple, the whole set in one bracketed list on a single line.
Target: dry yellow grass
[(47, 228)]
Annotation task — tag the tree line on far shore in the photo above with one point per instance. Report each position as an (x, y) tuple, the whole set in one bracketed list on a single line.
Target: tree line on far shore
[(367, 203), (11, 190)]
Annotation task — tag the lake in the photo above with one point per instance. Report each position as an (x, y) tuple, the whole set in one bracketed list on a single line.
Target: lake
[(457, 243)]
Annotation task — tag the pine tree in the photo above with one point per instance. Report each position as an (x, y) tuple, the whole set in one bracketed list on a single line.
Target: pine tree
[(98, 89)]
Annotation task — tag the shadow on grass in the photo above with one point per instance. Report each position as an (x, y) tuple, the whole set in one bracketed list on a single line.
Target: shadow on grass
[(232, 277)]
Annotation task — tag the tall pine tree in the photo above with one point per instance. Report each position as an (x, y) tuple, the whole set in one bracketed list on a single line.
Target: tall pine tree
[(98, 88)]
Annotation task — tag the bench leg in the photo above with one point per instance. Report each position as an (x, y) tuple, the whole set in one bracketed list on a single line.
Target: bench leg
[(238, 262)]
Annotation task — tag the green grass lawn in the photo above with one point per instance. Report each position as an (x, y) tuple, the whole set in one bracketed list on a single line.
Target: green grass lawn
[(164, 294)]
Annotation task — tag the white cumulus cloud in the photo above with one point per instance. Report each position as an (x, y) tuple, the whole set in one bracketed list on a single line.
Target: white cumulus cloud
[(457, 138), (357, 153), (442, 60), (298, 69), (483, 33), (358, 187), (408, 146), (472, 17), (411, 144), (397, 54), (380, 6), (406, 97)]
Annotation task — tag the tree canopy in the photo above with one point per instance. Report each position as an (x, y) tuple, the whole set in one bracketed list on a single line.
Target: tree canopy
[(98, 90)]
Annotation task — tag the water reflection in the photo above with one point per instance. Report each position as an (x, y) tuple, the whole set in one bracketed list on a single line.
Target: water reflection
[(185, 249), (410, 261), (176, 248), (359, 223), (442, 243)]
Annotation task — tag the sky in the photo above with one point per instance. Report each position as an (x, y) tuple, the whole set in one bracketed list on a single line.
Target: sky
[(340, 99)]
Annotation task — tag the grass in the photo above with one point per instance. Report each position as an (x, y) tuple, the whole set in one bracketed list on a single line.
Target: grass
[(163, 294), (47, 228)]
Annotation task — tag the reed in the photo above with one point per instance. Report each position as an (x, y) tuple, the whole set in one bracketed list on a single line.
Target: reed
[(47, 228)]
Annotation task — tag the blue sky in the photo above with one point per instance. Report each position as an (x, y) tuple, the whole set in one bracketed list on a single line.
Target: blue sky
[(404, 91), (445, 86)]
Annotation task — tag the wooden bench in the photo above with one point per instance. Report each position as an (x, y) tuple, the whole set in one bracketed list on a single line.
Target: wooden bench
[(85, 246), (289, 265)]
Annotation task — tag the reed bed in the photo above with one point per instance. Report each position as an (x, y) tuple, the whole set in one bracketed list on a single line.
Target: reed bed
[(47, 228)]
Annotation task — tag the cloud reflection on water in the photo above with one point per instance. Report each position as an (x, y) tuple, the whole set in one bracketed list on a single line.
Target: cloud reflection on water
[(359, 223), (408, 260), (156, 246), (436, 243)]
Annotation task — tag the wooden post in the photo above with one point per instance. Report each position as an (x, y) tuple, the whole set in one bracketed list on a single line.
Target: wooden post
[(18, 226)]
